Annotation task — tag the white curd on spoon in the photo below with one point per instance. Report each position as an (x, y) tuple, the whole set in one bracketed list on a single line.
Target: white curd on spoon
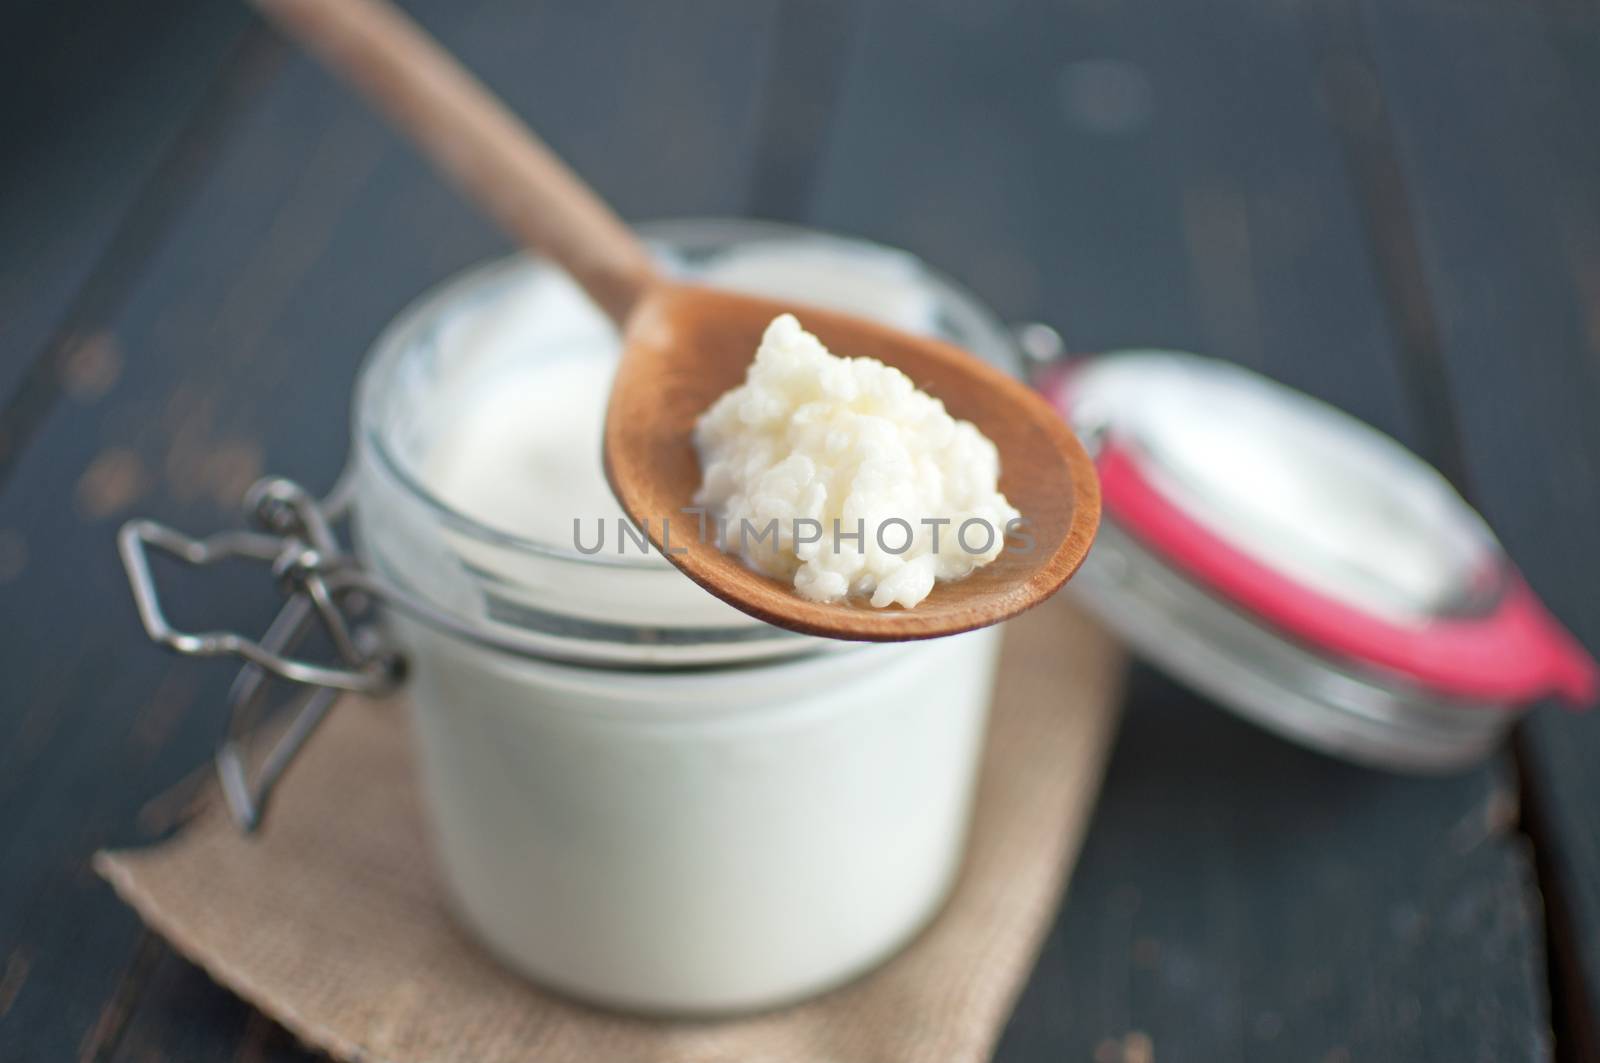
[(839, 475)]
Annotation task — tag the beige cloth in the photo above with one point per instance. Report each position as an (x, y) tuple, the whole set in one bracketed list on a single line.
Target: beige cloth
[(331, 924)]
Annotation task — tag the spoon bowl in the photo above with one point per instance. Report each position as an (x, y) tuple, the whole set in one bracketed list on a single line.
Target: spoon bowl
[(684, 346)]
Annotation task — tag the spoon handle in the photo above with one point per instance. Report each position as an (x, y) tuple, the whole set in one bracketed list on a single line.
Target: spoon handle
[(474, 139)]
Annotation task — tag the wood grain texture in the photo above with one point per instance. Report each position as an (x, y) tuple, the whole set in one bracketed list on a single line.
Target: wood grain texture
[(1497, 149), (1129, 174), (87, 124), (1132, 172), (812, 44), (1241, 899), (1141, 175), (684, 346), (474, 139)]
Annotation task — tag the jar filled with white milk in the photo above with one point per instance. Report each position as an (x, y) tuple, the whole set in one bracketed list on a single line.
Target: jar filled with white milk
[(638, 795)]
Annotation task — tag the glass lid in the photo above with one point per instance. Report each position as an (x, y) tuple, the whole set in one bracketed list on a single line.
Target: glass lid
[(1310, 491), (1303, 568)]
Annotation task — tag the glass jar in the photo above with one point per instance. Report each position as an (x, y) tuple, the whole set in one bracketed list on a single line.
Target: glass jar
[(637, 794)]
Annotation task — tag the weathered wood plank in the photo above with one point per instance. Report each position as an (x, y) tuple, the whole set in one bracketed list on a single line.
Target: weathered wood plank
[(1133, 175), (1140, 174), (1216, 221), (812, 44), (1240, 899), (1494, 110), (239, 331), (87, 122)]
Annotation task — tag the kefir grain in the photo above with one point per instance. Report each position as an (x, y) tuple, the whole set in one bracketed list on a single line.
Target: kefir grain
[(839, 475)]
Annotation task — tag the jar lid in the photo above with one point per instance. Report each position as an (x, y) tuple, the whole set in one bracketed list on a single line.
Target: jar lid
[(1303, 568)]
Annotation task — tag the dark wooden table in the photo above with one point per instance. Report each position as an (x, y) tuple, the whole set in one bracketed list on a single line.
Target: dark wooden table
[(1394, 205)]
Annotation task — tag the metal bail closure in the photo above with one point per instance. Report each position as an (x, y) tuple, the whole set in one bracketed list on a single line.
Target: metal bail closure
[(321, 586)]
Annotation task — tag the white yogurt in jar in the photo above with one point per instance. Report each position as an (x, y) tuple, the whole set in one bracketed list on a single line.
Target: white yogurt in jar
[(709, 815)]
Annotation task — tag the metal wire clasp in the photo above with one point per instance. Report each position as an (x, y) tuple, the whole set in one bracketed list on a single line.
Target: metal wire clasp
[(296, 539)]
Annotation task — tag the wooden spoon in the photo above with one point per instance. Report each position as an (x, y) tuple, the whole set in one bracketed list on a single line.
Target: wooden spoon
[(684, 345)]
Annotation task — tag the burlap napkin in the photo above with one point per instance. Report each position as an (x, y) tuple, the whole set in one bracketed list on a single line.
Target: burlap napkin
[(330, 921)]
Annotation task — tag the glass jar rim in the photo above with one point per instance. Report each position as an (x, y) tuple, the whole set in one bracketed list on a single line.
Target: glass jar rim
[(400, 336)]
